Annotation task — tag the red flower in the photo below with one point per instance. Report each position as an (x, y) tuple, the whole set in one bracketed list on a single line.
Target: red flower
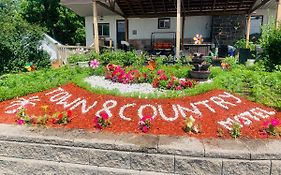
[(69, 113), (241, 121), (60, 116), (189, 84), (54, 121)]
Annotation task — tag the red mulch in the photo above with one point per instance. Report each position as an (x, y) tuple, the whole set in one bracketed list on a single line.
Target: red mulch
[(208, 120)]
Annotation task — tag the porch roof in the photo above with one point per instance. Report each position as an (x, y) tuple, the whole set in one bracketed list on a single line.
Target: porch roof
[(161, 8)]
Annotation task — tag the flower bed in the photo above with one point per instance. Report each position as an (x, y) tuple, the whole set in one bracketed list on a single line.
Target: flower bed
[(158, 78), (214, 114)]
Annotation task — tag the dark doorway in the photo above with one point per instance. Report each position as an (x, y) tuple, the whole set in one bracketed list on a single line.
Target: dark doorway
[(120, 27)]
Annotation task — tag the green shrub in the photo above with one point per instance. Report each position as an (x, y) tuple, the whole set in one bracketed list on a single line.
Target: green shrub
[(241, 43), (271, 44), (78, 58), (122, 58), (19, 41)]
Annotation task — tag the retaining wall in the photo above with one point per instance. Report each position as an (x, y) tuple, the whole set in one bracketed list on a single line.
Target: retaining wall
[(26, 150)]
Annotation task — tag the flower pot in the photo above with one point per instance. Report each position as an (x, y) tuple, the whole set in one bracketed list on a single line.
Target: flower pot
[(83, 64), (244, 55), (200, 74)]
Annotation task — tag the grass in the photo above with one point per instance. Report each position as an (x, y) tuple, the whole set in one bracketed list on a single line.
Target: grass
[(262, 87)]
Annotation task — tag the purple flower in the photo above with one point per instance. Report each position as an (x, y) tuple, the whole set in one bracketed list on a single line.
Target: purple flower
[(21, 122), (94, 63)]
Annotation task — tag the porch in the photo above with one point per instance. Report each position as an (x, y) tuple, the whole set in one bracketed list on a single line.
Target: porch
[(134, 21)]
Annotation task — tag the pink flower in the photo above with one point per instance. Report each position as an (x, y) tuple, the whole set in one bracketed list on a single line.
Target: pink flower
[(178, 88), (145, 129), (98, 126), (21, 122), (160, 72), (265, 124), (146, 118), (275, 122), (104, 116), (95, 120), (94, 63)]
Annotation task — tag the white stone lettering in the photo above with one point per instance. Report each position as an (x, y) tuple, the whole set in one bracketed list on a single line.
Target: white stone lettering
[(262, 113), (172, 118), (140, 111), (228, 95), (220, 102), (21, 103), (67, 104), (84, 108), (227, 124), (205, 103), (122, 109), (59, 96), (54, 91), (106, 107), (194, 110)]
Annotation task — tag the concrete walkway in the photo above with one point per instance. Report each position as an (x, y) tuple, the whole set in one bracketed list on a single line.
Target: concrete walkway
[(26, 150)]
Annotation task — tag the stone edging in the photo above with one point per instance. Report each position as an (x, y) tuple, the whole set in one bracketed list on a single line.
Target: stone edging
[(141, 152)]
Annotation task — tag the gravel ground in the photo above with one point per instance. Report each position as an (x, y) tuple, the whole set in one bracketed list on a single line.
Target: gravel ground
[(100, 81)]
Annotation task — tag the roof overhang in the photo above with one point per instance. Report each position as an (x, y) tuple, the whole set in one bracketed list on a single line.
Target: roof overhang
[(160, 8)]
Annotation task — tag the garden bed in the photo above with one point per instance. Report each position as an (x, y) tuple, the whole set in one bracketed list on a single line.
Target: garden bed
[(215, 112)]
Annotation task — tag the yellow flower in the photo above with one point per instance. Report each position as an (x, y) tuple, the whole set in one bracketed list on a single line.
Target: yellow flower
[(190, 121)]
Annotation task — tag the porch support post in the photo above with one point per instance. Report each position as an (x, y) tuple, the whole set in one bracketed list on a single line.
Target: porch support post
[(278, 14), (96, 29), (248, 30), (127, 29), (182, 33), (178, 33)]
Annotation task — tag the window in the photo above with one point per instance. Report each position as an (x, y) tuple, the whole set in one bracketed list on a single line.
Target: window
[(103, 29), (256, 24), (164, 23)]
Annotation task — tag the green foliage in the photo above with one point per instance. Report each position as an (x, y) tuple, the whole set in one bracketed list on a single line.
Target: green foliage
[(235, 132), (241, 43), (77, 58), (232, 61), (271, 44), (122, 58), (61, 23), (19, 41), (259, 86), (15, 85)]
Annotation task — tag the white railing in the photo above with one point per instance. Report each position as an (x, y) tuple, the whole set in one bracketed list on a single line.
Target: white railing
[(63, 52)]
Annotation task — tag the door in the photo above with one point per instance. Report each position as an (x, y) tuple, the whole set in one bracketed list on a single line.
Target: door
[(120, 26)]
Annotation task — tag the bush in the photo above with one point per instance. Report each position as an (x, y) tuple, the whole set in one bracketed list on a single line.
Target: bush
[(271, 44), (122, 58), (19, 41)]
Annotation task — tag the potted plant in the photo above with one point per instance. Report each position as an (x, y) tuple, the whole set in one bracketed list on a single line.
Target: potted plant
[(244, 52)]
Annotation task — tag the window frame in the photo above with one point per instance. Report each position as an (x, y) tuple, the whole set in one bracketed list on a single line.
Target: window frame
[(165, 20), (102, 32)]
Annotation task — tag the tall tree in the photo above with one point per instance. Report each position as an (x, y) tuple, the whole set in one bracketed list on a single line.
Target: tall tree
[(60, 22), (19, 40)]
